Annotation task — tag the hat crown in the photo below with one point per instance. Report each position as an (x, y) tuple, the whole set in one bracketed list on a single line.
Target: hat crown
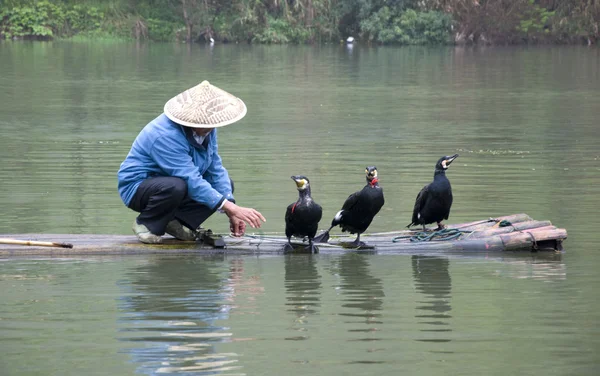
[(205, 106)]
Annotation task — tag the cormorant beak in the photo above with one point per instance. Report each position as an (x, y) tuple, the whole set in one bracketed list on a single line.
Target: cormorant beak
[(301, 183), (447, 161), (372, 174)]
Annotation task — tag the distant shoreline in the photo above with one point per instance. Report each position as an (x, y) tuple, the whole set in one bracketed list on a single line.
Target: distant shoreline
[(312, 22)]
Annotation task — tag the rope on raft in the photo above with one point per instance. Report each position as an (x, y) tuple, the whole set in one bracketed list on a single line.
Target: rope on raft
[(422, 236), (444, 234), (273, 239), (426, 236)]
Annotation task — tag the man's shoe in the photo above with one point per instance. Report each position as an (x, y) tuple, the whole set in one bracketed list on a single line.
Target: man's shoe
[(144, 235), (179, 231)]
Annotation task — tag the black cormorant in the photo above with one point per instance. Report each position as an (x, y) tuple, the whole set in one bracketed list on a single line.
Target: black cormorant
[(303, 216), (358, 210), (435, 199)]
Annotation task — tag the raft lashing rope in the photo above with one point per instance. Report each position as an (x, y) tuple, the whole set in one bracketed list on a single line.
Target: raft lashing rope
[(426, 236), (421, 236), (444, 234)]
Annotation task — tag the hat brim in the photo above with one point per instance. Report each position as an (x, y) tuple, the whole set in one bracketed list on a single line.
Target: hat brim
[(239, 117), (205, 106)]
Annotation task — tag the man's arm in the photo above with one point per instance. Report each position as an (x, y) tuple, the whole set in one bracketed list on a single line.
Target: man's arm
[(219, 177), (216, 173)]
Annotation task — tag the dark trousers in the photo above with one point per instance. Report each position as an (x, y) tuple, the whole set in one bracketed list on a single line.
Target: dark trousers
[(162, 198)]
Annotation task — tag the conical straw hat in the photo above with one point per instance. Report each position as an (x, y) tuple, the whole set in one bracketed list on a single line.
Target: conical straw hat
[(205, 106)]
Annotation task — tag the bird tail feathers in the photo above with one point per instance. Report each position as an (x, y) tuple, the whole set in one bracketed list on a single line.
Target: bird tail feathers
[(323, 238)]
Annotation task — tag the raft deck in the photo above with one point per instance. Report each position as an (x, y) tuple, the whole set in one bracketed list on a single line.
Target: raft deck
[(512, 233)]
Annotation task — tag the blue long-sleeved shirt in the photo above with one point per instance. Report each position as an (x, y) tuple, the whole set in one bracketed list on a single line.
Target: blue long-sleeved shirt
[(165, 148)]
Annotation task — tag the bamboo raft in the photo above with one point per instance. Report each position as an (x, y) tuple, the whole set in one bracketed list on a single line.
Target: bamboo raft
[(512, 233)]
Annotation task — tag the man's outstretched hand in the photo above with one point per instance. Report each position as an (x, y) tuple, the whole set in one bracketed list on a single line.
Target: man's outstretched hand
[(239, 216)]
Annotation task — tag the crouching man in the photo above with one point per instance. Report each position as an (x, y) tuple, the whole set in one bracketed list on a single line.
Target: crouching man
[(173, 175)]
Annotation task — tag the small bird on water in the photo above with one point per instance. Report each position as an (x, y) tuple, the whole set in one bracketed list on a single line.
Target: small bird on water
[(434, 201), (303, 216), (358, 210)]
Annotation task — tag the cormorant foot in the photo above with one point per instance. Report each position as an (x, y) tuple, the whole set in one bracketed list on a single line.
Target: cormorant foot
[(288, 247), (440, 226), (313, 248), (358, 244)]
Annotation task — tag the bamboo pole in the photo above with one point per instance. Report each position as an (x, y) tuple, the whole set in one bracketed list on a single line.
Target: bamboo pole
[(480, 225), (485, 224), (529, 238), (35, 243), (508, 229), (526, 239), (531, 224)]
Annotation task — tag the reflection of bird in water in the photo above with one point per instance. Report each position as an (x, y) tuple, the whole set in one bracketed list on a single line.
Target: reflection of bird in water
[(432, 277), (303, 216), (433, 280), (302, 283), (359, 209), (303, 291), (435, 199), (364, 292)]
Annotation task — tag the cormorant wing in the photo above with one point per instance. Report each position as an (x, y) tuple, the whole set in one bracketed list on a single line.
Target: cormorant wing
[(319, 211), (449, 206), (288, 219), (351, 201), (288, 213), (419, 203)]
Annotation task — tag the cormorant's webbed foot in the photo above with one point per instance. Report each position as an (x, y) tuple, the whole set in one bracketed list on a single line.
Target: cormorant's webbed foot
[(323, 238), (358, 244), (440, 226), (312, 247), (288, 247)]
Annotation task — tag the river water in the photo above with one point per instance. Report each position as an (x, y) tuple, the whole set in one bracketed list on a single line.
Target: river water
[(523, 119)]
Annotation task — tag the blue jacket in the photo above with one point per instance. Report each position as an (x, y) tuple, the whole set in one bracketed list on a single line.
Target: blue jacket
[(165, 148)]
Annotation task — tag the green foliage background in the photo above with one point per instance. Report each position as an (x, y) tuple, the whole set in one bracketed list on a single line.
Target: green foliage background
[(306, 21)]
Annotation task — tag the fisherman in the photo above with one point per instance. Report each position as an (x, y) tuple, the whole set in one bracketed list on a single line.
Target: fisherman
[(173, 175)]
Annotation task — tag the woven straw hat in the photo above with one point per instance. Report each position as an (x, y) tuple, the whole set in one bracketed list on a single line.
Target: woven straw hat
[(205, 106)]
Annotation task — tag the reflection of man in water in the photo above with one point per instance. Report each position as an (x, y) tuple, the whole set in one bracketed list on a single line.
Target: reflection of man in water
[(433, 280), (171, 310), (303, 287), (364, 292)]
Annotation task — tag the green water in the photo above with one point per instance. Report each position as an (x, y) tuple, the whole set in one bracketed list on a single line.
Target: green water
[(524, 121)]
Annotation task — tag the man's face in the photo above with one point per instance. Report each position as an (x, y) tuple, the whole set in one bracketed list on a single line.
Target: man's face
[(202, 131)]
